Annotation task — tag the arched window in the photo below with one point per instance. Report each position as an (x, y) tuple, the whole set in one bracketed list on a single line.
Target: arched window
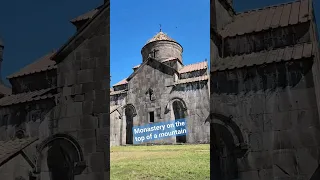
[(179, 113), (130, 112)]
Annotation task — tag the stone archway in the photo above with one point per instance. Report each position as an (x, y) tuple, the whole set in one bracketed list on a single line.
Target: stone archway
[(226, 145), (59, 157), (179, 113), (129, 113), (178, 110)]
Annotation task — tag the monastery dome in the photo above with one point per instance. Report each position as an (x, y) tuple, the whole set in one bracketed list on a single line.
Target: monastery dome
[(161, 47)]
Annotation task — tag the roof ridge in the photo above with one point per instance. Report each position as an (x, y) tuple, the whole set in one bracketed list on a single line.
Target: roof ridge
[(267, 7), (39, 59), (78, 18), (196, 63), (121, 82)]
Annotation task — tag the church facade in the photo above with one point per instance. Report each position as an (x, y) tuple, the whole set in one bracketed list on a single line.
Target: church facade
[(54, 121), (264, 92), (161, 89)]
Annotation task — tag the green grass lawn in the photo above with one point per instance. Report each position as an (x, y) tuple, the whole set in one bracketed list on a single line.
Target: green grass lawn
[(161, 162)]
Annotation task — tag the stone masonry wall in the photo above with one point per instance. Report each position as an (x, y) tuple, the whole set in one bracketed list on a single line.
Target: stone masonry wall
[(197, 113), (83, 104), (115, 129), (25, 116), (196, 97), (148, 77), (281, 127)]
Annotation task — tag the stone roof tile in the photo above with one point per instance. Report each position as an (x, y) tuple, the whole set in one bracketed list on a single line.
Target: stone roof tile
[(87, 15), (42, 64), (194, 67), (26, 97), (288, 53), (122, 82), (5, 90), (269, 17), (194, 79)]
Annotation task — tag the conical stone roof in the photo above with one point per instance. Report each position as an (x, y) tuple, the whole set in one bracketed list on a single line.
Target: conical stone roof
[(160, 37)]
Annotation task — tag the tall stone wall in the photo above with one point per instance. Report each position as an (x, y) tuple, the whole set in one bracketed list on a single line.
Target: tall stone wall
[(196, 97), (280, 124), (82, 111)]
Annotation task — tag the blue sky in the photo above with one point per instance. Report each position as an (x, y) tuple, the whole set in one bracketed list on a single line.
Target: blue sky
[(30, 30), (183, 20)]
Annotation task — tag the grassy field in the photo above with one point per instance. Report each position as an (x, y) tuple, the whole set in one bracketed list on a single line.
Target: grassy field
[(163, 162)]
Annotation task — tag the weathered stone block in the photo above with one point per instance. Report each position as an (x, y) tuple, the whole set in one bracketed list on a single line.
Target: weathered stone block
[(96, 176), (103, 138), (88, 63), (86, 134), (89, 122), (104, 120), (67, 91), (305, 118), (85, 76), (101, 62), (283, 140), (307, 160), (97, 163), (266, 174), (88, 146), (284, 163), (256, 141), (90, 95), (303, 98), (100, 107), (281, 120), (77, 89), (79, 98), (256, 161), (88, 87), (252, 175), (68, 124), (70, 78), (74, 109), (87, 107), (255, 123), (101, 73), (271, 102), (81, 177)]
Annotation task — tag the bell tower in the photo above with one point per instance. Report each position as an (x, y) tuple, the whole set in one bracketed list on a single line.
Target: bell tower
[(161, 47)]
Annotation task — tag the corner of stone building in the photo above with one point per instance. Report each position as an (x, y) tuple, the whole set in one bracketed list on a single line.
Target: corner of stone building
[(81, 115)]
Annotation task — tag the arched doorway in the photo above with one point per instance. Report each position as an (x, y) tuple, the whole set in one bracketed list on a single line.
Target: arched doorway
[(226, 146), (130, 113), (59, 158), (179, 113)]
